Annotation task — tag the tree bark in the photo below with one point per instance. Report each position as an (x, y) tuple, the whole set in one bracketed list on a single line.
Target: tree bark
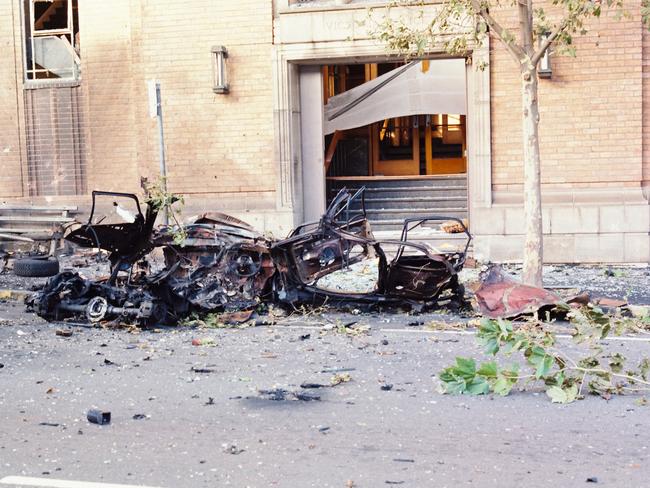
[(533, 246)]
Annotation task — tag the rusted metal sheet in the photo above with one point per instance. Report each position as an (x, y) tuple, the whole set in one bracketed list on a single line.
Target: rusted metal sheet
[(501, 296), (224, 265)]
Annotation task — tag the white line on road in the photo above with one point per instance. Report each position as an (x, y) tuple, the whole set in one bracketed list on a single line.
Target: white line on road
[(52, 483), (461, 332)]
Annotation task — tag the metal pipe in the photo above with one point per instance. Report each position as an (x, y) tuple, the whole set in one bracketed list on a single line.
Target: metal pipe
[(161, 142)]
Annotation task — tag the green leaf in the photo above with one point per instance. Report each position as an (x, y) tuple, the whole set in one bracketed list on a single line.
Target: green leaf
[(491, 346), (572, 393), (644, 368), (488, 370), (453, 386), (542, 361), (465, 368), (503, 385), (478, 386), (563, 395), (544, 366), (617, 362)]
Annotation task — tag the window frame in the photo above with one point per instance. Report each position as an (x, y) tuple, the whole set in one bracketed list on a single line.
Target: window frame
[(28, 36)]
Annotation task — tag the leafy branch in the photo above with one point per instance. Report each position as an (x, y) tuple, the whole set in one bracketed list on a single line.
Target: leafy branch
[(160, 200), (457, 25), (564, 377)]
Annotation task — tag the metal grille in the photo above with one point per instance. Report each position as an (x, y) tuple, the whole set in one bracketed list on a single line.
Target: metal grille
[(56, 144)]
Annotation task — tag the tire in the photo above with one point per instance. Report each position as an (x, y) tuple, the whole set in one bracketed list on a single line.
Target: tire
[(36, 267)]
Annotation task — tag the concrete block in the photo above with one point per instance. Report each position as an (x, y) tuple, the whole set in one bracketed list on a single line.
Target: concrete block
[(600, 248), (612, 219), (546, 220), (574, 220), (487, 221), (560, 248), (637, 248), (637, 218), (498, 248), (514, 220)]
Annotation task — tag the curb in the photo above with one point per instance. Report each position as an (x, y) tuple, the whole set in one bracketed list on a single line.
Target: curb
[(15, 295)]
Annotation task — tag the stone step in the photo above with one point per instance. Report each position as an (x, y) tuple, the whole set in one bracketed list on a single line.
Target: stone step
[(401, 213), (413, 202), (393, 222), (437, 181), (416, 191)]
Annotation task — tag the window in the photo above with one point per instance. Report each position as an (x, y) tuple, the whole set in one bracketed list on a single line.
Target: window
[(52, 39)]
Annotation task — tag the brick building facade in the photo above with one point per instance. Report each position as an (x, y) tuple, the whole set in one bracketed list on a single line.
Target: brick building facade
[(257, 152)]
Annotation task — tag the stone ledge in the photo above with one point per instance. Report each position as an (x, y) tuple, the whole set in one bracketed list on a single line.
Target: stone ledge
[(594, 196), (601, 218), (569, 248)]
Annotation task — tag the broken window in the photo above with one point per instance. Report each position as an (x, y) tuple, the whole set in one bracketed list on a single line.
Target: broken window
[(51, 39), (395, 119)]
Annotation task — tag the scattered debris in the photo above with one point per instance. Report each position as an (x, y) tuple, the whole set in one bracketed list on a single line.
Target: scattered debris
[(454, 226), (201, 370), (386, 387), (231, 449), (49, 424), (64, 332), (609, 302), (140, 416), (98, 417), (236, 317), (339, 378), (208, 341), (338, 370), (279, 394), (218, 263), (307, 386), (592, 479)]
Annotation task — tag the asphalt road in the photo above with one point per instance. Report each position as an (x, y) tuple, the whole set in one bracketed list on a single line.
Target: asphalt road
[(193, 416)]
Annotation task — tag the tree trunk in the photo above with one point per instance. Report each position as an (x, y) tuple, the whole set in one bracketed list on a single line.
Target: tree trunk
[(533, 248)]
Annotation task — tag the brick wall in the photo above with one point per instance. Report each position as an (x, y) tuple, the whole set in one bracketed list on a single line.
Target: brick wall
[(221, 146), (591, 114), (11, 139), (218, 146), (106, 61)]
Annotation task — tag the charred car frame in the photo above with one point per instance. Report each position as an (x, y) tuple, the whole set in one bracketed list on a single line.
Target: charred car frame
[(223, 264)]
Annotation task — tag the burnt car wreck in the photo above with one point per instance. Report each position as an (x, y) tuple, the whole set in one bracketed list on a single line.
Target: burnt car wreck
[(221, 264)]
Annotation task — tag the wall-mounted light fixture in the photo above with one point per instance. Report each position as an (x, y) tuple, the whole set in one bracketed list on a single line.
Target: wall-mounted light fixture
[(544, 67), (219, 69)]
